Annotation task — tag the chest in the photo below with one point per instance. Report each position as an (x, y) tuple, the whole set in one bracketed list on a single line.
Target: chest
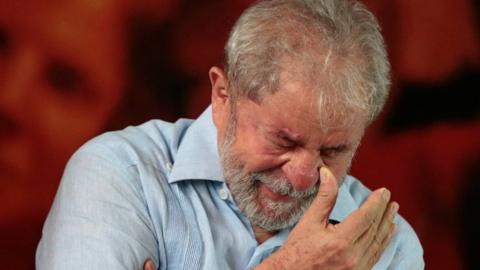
[(203, 229)]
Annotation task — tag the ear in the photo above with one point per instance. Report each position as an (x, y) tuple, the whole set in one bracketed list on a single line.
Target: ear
[(220, 97)]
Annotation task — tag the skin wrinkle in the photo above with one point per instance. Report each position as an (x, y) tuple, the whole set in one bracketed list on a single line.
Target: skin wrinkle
[(327, 60), (334, 88), (241, 182)]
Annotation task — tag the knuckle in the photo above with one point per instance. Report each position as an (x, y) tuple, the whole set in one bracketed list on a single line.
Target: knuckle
[(377, 248), (340, 245), (338, 249), (386, 241), (369, 217), (374, 259), (384, 231), (370, 234), (375, 245)]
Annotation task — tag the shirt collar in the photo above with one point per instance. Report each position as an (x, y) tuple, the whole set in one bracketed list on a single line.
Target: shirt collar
[(345, 203), (197, 156)]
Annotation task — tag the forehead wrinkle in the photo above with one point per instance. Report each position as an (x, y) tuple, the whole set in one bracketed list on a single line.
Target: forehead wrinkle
[(308, 82), (332, 117), (326, 61)]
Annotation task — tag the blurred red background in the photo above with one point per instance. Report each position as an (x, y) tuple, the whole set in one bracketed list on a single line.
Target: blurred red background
[(72, 69)]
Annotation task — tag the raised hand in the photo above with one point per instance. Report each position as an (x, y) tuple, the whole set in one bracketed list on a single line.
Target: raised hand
[(356, 243)]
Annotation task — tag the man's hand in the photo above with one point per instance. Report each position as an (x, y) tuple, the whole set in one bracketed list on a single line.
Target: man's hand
[(356, 243)]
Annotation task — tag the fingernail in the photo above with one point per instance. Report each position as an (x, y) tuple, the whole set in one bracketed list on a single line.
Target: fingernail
[(395, 207), (386, 194), (323, 173)]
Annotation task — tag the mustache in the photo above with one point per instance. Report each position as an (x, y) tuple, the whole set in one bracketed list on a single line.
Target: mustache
[(282, 186)]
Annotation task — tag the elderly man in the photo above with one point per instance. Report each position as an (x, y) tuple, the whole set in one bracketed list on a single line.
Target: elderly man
[(259, 180)]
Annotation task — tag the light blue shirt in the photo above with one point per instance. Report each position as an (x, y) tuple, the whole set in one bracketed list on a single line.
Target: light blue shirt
[(157, 191)]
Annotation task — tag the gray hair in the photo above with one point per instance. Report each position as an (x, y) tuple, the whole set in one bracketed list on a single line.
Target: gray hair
[(335, 45)]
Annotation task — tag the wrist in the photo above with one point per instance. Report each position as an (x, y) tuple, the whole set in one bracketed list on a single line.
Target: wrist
[(276, 261)]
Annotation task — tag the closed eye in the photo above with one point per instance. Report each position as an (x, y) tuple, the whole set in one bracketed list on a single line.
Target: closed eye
[(331, 152), (284, 142)]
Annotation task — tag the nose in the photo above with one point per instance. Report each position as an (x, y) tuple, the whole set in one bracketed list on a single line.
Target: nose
[(302, 169)]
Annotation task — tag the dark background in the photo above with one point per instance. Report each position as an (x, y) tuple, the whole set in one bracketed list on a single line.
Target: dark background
[(72, 69)]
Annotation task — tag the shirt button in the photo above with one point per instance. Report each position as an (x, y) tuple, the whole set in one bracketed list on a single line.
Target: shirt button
[(223, 194), (169, 166)]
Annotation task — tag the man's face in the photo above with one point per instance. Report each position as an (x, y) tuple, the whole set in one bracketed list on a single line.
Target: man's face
[(272, 152), (61, 75)]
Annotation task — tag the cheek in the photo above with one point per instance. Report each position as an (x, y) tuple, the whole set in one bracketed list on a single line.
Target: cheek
[(339, 167), (257, 156)]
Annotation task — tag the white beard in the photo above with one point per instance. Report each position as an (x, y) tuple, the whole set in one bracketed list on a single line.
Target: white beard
[(262, 211)]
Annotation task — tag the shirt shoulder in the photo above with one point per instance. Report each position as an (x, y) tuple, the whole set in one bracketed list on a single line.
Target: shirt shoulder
[(105, 198), (153, 143)]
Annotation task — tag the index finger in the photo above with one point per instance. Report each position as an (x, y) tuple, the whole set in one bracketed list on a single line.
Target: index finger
[(369, 214)]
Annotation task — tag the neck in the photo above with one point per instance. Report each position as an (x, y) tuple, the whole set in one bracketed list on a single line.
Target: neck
[(261, 234)]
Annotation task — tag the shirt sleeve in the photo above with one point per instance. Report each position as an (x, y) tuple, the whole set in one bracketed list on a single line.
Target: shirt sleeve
[(408, 252), (99, 219)]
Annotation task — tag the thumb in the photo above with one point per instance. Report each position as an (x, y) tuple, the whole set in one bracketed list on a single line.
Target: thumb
[(323, 203), (149, 265)]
